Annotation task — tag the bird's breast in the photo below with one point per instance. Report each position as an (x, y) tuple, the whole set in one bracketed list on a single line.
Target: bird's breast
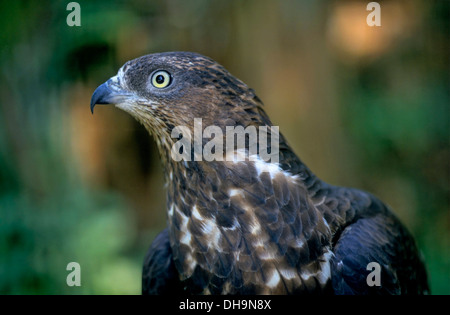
[(247, 227)]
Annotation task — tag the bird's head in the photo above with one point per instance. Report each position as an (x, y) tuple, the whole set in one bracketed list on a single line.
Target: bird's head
[(165, 90)]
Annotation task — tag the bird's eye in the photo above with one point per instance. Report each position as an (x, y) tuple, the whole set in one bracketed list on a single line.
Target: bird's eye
[(161, 79)]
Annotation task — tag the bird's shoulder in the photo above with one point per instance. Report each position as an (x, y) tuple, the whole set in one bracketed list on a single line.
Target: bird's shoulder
[(159, 275), (367, 235)]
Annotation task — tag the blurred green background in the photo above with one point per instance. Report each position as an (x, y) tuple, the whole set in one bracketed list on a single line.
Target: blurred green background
[(366, 107)]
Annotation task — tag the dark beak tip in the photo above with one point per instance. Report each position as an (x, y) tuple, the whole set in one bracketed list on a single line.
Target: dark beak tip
[(102, 95), (92, 107)]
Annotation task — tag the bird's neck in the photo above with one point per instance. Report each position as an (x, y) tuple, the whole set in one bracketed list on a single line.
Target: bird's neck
[(224, 215)]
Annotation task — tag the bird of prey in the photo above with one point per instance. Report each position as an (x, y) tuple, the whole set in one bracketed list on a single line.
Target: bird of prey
[(251, 225)]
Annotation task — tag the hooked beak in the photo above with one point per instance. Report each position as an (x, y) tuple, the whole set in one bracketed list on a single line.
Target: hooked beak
[(109, 93)]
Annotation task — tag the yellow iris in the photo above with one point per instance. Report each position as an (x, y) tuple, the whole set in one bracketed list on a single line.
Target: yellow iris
[(161, 79)]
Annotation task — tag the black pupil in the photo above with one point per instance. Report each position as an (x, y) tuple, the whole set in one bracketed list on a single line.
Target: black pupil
[(160, 79)]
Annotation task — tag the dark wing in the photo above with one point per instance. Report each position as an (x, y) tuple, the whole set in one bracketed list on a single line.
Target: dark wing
[(159, 274), (377, 237)]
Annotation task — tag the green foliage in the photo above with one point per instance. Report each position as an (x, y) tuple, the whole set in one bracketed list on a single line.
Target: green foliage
[(39, 240), (47, 217)]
